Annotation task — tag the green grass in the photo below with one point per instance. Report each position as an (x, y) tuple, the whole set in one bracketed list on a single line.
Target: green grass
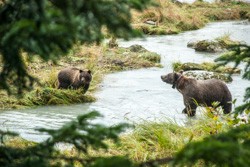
[(225, 41), (151, 140)]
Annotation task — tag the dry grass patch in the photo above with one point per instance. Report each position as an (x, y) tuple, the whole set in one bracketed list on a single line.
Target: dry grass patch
[(170, 18)]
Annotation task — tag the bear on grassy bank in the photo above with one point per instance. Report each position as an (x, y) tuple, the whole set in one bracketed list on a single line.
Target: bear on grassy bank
[(74, 78), (203, 92)]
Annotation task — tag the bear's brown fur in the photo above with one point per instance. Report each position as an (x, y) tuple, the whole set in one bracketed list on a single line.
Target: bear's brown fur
[(203, 92), (74, 78)]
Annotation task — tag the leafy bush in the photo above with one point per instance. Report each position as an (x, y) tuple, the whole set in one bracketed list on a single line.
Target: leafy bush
[(226, 149)]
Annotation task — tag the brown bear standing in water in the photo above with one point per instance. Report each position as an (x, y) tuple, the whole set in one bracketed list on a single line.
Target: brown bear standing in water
[(74, 78), (202, 91)]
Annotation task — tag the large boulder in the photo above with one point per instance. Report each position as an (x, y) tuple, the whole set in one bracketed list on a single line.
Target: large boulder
[(217, 45), (207, 46), (204, 75)]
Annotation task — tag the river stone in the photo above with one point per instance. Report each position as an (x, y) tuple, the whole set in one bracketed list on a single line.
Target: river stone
[(137, 48), (191, 43), (118, 62), (203, 75), (150, 22), (207, 46)]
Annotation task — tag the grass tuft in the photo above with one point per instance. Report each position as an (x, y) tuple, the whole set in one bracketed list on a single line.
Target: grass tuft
[(51, 96)]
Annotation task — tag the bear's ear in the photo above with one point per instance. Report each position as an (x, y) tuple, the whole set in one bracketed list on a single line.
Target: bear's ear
[(181, 72), (89, 71), (80, 71), (175, 76)]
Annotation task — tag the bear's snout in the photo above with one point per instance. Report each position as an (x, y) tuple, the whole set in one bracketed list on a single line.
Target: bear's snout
[(164, 78), (167, 78)]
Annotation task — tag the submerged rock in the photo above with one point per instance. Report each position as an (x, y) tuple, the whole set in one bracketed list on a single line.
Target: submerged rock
[(203, 75), (191, 43)]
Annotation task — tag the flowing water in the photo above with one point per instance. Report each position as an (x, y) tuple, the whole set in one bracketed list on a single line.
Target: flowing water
[(135, 95)]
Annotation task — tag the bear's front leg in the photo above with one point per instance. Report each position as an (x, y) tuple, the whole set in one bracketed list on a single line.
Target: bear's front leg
[(86, 87), (63, 85), (190, 110), (184, 111)]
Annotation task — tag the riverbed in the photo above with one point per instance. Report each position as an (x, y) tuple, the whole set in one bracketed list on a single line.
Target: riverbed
[(137, 95)]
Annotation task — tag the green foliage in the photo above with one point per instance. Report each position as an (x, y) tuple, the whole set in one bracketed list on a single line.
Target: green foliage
[(239, 54), (112, 162), (226, 149), (82, 134), (50, 28)]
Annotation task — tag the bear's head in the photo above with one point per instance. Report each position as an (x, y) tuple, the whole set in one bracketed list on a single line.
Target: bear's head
[(85, 77), (171, 78)]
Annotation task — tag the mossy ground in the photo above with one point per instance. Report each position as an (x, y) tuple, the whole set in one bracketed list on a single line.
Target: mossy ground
[(207, 66), (100, 59)]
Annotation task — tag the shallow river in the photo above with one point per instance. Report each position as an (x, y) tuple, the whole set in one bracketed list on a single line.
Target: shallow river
[(136, 95)]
